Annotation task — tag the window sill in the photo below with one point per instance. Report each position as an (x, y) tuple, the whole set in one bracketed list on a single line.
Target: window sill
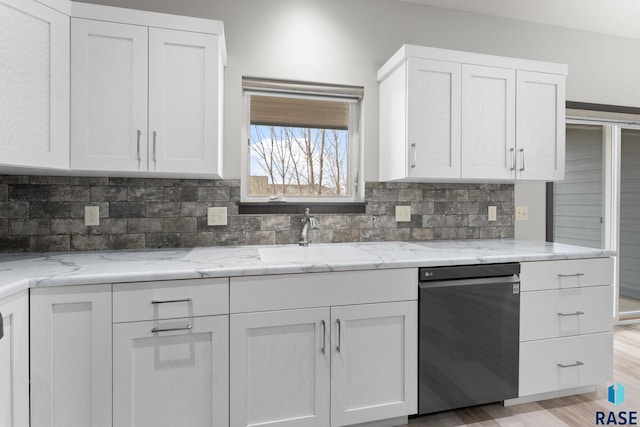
[(299, 208)]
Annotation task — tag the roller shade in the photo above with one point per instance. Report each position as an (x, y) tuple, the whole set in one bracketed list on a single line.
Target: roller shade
[(299, 112)]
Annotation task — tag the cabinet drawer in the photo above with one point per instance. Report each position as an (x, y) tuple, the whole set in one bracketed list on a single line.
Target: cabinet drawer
[(170, 299), (564, 274), (587, 360), (565, 312)]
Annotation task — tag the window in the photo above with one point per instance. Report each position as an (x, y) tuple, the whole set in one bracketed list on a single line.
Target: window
[(302, 142)]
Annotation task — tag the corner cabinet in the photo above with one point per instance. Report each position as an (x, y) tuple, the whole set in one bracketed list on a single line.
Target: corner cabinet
[(34, 77), (343, 359), (14, 361), (458, 116), (146, 94)]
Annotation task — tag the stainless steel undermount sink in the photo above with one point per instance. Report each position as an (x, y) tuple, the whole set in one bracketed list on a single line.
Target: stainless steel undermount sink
[(316, 254)]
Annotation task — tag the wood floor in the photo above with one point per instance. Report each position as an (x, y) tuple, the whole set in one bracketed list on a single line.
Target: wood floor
[(569, 411)]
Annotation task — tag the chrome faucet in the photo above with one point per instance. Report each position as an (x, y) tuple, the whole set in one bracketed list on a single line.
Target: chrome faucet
[(307, 222)]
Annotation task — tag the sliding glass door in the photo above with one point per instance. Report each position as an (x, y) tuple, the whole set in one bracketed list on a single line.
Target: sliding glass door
[(598, 203), (629, 244)]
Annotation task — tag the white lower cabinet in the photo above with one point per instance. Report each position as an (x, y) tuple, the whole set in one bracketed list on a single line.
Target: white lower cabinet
[(171, 372), (566, 326), (14, 361), (71, 356), (324, 366)]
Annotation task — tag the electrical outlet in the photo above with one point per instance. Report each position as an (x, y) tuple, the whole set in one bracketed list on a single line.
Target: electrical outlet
[(217, 216), (92, 215), (492, 213), (522, 213), (403, 213)]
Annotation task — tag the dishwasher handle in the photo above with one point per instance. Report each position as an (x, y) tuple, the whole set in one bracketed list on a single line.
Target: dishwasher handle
[(1, 327), (502, 280)]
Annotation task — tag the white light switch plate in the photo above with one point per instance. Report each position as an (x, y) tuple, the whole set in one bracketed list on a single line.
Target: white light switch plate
[(92, 215), (522, 213), (217, 216), (492, 213), (403, 213)]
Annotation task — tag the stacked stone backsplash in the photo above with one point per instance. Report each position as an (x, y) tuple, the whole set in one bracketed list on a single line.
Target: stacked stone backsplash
[(46, 213)]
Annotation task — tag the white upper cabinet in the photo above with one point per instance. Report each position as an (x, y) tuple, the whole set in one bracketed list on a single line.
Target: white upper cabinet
[(540, 133), (488, 122), (34, 82), (109, 96), (146, 93), (458, 116)]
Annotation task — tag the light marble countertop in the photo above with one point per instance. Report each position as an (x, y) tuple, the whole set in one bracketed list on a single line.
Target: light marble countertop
[(22, 271)]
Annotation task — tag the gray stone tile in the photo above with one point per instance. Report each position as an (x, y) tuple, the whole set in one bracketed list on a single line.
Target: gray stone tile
[(89, 243), (229, 238), (181, 194), (445, 208), (68, 226), (28, 193), (286, 237), (332, 222), (346, 235), (127, 209), (502, 196), (163, 209), (109, 226), (261, 238), (373, 234), (14, 209), (456, 221), (127, 241), (50, 180), (465, 233), (430, 221), (145, 194), (108, 193), (128, 182), (14, 244), (49, 210), (69, 193), (4, 226), (29, 227), (163, 240), (14, 179), (76, 209), (4, 192), (213, 194), (193, 240), (144, 225), (180, 225), (422, 234), (244, 223), (89, 180), (410, 195), (385, 194), (450, 233), (275, 222), (398, 234), (50, 243), (193, 209), (359, 221)]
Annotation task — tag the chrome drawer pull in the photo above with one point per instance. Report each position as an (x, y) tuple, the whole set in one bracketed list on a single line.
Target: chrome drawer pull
[(415, 155), (577, 313), (324, 336), (169, 301), (578, 363), (571, 275), (339, 338), (184, 328)]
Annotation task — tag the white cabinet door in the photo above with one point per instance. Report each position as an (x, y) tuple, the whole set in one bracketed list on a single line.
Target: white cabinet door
[(34, 77), (108, 96), (14, 361), (433, 117), (184, 73), (280, 368), (175, 377), (374, 367), (540, 130), (71, 356), (488, 122)]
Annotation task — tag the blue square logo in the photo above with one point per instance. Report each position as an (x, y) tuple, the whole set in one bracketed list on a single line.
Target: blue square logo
[(616, 394)]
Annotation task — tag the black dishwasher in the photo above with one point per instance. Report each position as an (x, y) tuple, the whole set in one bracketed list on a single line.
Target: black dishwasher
[(469, 329)]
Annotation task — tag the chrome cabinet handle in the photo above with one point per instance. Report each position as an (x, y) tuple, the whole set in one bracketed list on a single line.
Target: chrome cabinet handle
[(324, 336), (522, 158), (339, 333), (577, 313), (154, 145), (415, 155), (578, 363), (513, 159), (571, 275), (169, 301), (138, 146), (184, 328)]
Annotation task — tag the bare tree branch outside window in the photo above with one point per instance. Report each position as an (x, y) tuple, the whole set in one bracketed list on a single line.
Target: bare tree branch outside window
[(298, 161)]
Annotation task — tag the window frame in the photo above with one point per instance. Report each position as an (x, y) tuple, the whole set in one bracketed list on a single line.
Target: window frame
[(304, 90)]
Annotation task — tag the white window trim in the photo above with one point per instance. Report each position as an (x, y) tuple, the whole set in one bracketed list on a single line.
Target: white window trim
[(355, 160)]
